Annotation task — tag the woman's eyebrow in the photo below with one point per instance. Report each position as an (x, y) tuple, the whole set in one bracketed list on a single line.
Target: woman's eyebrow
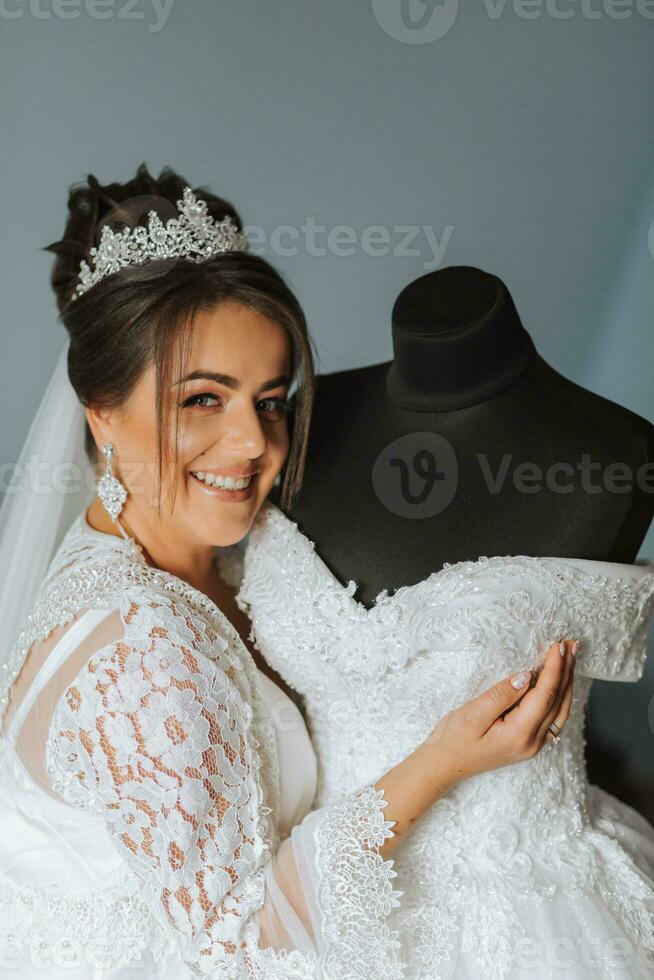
[(229, 381)]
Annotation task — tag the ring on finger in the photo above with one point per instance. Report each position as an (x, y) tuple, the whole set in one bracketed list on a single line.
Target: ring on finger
[(554, 731)]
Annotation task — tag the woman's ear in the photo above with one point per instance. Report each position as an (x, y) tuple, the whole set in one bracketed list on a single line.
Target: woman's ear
[(99, 421)]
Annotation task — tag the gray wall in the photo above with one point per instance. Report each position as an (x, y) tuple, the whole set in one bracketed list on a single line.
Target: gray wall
[(522, 136)]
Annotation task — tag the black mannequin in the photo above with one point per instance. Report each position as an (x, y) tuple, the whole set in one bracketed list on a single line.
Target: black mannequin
[(466, 369)]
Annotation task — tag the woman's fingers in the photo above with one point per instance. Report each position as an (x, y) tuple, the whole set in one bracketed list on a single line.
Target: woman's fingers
[(499, 700), (509, 722), (542, 700), (567, 668), (563, 709), (484, 710)]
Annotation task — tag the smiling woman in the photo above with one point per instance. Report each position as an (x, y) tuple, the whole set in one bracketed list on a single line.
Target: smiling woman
[(170, 319), (228, 418), (144, 760), (140, 755)]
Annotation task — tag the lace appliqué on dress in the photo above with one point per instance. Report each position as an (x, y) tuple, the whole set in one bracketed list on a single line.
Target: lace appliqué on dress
[(67, 927), (160, 731), (375, 682), (164, 736), (356, 882)]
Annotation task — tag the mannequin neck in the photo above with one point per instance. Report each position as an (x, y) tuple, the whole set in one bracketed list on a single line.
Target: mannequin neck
[(457, 341)]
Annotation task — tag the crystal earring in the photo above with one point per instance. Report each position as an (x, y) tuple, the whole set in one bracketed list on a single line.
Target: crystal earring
[(111, 491)]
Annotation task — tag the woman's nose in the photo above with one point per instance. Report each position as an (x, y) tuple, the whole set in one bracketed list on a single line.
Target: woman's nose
[(244, 434)]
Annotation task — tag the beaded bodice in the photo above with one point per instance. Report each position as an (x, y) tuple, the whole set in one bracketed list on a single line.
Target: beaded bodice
[(376, 682)]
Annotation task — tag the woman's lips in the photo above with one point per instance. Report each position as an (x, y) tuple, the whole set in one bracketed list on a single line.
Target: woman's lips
[(231, 496)]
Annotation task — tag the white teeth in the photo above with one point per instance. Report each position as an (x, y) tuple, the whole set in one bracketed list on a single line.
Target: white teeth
[(226, 482)]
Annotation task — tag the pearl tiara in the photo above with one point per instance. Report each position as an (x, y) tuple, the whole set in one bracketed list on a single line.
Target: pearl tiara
[(194, 235)]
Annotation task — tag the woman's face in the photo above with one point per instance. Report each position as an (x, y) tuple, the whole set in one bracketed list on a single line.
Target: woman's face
[(234, 428)]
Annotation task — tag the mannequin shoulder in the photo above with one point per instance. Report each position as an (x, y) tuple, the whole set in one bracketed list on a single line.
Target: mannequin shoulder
[(599, 425)]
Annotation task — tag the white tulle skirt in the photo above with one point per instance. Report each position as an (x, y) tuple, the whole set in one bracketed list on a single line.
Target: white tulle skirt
[(570, 936)]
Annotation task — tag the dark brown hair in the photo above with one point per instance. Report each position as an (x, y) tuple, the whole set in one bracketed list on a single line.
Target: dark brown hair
[(145, 313)]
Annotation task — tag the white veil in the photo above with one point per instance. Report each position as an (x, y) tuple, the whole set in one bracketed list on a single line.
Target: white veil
[(52, 482)]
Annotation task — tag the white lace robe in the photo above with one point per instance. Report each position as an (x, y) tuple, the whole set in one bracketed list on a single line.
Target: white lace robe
[(153, 732)]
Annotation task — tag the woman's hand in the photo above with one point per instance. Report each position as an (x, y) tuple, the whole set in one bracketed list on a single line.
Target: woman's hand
[(508, 722)]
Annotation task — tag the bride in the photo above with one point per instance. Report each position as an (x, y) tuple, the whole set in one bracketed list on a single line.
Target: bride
[(157, 779)]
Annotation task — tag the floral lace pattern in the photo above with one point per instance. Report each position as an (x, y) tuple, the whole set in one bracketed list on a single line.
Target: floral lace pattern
[(375, 682), (160, 731), (353, 882), (165, 736), (69, 927)]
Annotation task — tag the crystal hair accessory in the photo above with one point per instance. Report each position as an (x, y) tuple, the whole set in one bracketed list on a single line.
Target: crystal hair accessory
[(194, 235)]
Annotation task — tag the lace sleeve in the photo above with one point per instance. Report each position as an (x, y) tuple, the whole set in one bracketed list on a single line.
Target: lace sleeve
[(154, 735)]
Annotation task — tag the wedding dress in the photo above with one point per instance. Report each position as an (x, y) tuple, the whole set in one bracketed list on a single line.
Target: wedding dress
[(526, 871), (156, 791)]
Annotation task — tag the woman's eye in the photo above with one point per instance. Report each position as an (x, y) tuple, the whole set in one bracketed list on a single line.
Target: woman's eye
[(275, 407), (193, 400)]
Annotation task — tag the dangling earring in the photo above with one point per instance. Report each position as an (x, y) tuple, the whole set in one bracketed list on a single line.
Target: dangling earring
[(111, 491)]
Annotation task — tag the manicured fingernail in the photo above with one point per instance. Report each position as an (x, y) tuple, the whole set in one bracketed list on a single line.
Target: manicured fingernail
[(522, 679), (562, 648), (575, 647)]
